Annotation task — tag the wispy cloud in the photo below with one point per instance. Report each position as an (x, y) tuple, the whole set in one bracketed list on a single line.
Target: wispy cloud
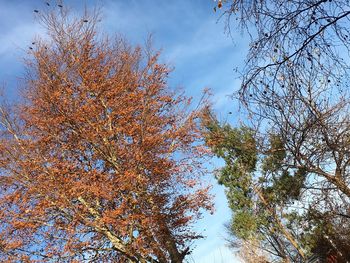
[(18, 38)]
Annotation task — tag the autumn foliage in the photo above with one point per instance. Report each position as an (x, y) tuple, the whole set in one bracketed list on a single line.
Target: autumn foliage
[(100, 160)]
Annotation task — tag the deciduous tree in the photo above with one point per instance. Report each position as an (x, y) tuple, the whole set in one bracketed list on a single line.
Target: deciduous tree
[(292, 37), (295, 93), (100, 160)]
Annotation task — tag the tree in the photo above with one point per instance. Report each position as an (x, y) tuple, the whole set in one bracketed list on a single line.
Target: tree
[(100, 161), (301, 86), (257, 203), (274, 205), (291, 37), (295, 91)]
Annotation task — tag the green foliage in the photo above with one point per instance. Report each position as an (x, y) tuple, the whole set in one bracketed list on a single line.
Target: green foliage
[(244, 224), (275, 155), (237, 147), (286, 187), (257, 183), (283, 185), (324, 236)]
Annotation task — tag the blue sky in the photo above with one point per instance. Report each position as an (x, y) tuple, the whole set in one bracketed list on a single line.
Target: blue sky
[(193, 42)]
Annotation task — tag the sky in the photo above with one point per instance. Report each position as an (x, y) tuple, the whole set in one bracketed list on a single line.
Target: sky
[(193, 41)]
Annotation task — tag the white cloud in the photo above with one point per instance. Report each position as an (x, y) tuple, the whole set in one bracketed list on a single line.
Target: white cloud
[(18, 38), (221, 254)]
